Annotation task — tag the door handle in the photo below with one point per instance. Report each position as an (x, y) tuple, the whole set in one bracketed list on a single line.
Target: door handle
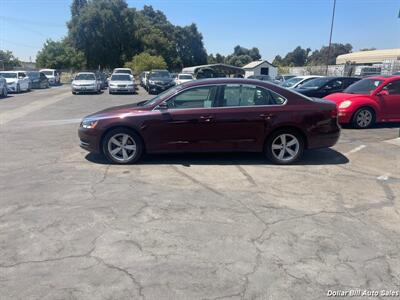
[(267, 116), (206, 118)]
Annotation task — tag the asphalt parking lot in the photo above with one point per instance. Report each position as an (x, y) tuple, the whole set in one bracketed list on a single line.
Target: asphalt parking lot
[(207, 226)]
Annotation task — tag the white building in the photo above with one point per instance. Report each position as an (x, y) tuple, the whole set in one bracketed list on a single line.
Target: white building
[(260, 67)]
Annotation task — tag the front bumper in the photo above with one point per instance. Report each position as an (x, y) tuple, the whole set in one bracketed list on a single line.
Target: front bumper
[(89, 139), (155, 88), (11, 87), (84, 89), (126, 89), (345, 116)]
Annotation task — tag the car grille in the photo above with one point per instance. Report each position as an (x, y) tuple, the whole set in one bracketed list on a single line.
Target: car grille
[(121, 85)]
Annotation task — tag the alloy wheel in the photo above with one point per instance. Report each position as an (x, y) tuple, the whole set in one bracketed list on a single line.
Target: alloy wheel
[(285, 147), (122, 147), (364, 118)]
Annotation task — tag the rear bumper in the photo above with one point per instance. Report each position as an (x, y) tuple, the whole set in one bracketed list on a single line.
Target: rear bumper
[(122, 90), (89, 139), (84, 89), (324, 139)]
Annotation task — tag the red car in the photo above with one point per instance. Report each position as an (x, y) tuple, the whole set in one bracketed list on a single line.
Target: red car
[(214, 115), (368, 101)]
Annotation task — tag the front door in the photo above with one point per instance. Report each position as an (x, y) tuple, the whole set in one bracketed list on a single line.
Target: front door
[(390, 102), (186, 124)]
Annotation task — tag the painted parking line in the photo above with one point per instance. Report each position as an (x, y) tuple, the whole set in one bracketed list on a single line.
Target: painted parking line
[(22, 111), (356, 149)]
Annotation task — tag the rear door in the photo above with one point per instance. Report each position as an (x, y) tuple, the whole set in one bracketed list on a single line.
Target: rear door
[(244, 115), (333, 86)]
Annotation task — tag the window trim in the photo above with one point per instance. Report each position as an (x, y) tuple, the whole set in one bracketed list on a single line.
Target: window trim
[(222, 107)]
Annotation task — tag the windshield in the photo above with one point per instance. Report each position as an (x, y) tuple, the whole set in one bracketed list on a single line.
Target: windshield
[(9, 75), (185, 77), (292, 81), (85, 77), (48, 73), (160, 74), (121, 77), (316, 83), (163, 95), (123, 72), (33, 74), (365, 86)]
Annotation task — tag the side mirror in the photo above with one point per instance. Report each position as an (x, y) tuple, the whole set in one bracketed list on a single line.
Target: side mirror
[(162, 106), (383, 93)]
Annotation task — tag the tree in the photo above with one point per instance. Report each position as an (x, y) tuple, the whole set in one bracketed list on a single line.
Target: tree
[(60, 55), (8, 61), (296, 58), (104, 31), (145, 62), (278, 61), (240, 56), (76, 7), (320, 57), (368, 49), (189, 46)]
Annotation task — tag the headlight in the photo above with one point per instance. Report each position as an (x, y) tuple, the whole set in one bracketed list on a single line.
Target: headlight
[(87, 123), (345, 104), (131, 84), (152, 82), (113, 85), (11, 83)]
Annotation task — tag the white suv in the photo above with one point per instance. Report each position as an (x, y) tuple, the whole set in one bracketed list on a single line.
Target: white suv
[(17, 81), (52, 75)]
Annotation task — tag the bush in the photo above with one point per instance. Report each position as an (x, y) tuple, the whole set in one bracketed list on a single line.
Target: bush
[(145, 62)]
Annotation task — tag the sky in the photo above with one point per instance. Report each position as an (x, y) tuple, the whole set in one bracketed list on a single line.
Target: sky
[(274, 26)]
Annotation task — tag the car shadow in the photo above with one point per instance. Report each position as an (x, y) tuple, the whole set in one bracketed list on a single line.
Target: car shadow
[(311, 157), (376, 126), (6, 97)]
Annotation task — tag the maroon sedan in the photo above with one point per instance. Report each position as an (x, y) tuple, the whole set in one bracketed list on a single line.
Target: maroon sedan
[(214, 115)]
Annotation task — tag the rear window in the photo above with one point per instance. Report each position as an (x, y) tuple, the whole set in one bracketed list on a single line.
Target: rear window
[(85, 77), (185, 77), (121, 77), (123, 72)]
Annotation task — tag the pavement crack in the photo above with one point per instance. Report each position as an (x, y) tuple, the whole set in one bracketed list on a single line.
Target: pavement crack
[(247, 175)]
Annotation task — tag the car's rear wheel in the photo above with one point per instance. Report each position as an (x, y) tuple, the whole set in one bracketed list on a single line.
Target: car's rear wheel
[(363, 118), (122, 146), (284, 147)]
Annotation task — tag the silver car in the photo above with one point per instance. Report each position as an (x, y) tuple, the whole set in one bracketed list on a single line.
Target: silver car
[(85, 82), (121, 83)]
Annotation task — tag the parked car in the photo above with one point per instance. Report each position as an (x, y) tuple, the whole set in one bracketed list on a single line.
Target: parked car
[(298, 81), (52, 75), (143, 78), (321, 87), (3, 87), (38, 80), (368, 101), (214, 115), (123, 71), (159, 81), (396, 73), (282, 78), (85, 82), (17, 81), (182, 78), (260, 77), (121, 83)]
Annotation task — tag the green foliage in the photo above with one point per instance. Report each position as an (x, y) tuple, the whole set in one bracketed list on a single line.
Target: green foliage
[(145, 62), (302, 57), (368, 49), (240, 57), (8, 60), (60, 55), (320, 57)]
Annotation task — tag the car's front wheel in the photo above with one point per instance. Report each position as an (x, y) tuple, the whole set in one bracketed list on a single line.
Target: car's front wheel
[(18, 89), (363, 118), (5, 92), (122, 146), (284, 147)]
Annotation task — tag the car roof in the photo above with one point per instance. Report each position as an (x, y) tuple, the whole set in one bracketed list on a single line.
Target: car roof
[(85, 73), (383, 77), (225, 80), (309, 76)]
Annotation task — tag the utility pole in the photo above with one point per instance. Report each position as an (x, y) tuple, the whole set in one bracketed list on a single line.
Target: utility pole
[(330, 37)]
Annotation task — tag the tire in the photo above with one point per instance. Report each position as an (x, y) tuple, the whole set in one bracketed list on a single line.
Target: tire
[(18, 89), (109, 92), (363, 118), (118, 134), (73, 93), (5, 92), (284, 147), (29, 88)]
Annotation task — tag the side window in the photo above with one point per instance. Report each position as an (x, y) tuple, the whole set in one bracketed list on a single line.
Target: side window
[(336, 84), (21, 75), (393, 88), (42, 76), (200, 97), (249, 95)]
